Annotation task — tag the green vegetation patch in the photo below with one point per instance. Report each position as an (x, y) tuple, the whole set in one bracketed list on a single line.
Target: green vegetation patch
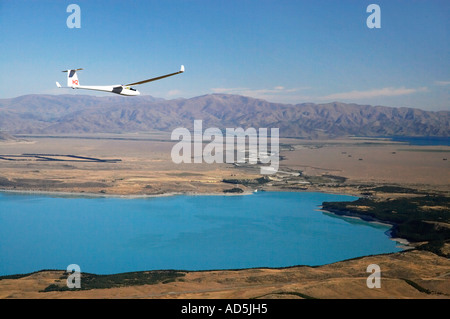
[(293, 293), (417, 286), (233, 190), (248, 182), (339, 179), (396, 189), (92, 281)]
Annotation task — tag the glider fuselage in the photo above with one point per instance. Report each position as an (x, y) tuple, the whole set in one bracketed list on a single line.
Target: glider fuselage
[(118, 89)]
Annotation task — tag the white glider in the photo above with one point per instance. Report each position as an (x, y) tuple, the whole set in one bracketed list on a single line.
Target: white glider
[(74, 83)]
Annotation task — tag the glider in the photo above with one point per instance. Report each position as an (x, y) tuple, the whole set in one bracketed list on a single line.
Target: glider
[(74, 83)]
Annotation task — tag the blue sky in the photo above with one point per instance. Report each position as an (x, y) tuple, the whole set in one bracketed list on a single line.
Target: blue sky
[(281, 51)]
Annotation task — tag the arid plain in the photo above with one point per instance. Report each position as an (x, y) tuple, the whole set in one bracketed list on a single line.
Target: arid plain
[(141, 165)]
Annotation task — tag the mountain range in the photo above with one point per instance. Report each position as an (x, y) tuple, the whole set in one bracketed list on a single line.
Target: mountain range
[(58, 114)]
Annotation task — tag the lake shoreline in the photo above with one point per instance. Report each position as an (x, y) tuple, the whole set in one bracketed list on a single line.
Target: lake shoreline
[(267, 283), (404, 243), (105, 195), (264, 211), (18, 275)]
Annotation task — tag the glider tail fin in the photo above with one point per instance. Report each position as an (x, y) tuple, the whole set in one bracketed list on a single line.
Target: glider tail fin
[(72, 78)]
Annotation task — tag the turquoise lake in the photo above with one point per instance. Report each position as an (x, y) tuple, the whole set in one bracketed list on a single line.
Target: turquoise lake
[(105, 235)]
